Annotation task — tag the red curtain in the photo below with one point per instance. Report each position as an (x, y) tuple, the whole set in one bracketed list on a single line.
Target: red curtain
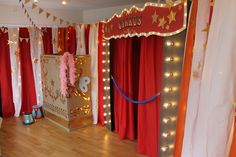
[(149, 84), (71, 40), (47, 41), (27, 77), (100, 77), (122, 66), (5, 76), (61, 40), (87, 29)]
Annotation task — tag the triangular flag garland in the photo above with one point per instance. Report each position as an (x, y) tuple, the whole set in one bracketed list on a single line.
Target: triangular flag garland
[(27, 15), (41, 10)]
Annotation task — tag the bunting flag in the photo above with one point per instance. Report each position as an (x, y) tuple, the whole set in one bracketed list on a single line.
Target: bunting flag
[(24, 39), (47, 14), (40, 10), (27, 1), (54, 18), (61, 21), (34, 5)]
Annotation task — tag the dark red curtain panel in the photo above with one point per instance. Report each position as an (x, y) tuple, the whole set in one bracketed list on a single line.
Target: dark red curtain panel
[(100, 77), (27, 77), (150, 73), (62, 40), (5, 76), (47, 41), (87, 29), (124, 111), (71, 40)]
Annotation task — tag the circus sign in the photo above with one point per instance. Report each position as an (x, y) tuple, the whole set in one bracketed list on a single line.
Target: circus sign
[(153, 19)]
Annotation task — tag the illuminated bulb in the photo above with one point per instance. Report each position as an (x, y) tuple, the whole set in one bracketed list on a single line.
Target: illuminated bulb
[(169, 43), (171, 146), (108, 79), (165, 134), (168, 89), (105, 114), (103, 61), (64, 2), (169, 74), (177, 44), (166, 120), (104, 98), (36, 1), (164, 148), (103, 70), (108, 44), (108, 70), (172, 133), (109, 97), (109, 105), (104, 106), (105, 122), (104, 80), (103, 44), (108, 53), (169, 59), (103, 52), (166, 105), (109, 121), (109, 113), (108, 61)]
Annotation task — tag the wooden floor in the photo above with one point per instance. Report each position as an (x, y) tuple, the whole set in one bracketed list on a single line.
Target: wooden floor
[(44, 139)]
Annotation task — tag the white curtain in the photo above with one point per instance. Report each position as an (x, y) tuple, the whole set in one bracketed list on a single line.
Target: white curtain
[(15, 66), (196, 76), (80, 35), (215, 112), (55, 40), (93, 51), (36, 48)]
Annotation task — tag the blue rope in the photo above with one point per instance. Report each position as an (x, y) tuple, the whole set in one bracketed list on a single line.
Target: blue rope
[(134, 101)]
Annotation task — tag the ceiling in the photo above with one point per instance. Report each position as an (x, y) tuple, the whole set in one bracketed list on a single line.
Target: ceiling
[(78, 4)]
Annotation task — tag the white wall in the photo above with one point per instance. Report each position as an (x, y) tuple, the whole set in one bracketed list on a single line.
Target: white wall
[(13, 15), (96, 15)]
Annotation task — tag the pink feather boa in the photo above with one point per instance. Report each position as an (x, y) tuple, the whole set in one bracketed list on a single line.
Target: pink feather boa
[(67, 60)]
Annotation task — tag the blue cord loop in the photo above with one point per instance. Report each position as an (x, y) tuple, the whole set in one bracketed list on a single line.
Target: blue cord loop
[(134, 101)]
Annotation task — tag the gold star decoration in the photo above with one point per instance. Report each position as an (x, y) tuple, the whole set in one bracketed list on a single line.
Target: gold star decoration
[(171, 17), (207, 28), (35, 60), (169, 3), (154, 17), (195, 74), (180, 7), (162, 22)]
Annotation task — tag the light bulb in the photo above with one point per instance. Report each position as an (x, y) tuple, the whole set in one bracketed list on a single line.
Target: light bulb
[(64, 2), (104, 106), (169, 59), (169, 43)]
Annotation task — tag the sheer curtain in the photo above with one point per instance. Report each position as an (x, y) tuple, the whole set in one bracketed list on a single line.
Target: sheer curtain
[(93, 51), (15, 65), (36, 48), (80, 50)]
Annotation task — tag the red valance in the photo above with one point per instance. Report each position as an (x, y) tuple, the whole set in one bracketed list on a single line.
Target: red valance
[(153, 19)]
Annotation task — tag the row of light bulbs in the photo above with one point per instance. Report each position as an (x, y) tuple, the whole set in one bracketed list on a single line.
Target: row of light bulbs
[(170, 89), (106, 87)]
